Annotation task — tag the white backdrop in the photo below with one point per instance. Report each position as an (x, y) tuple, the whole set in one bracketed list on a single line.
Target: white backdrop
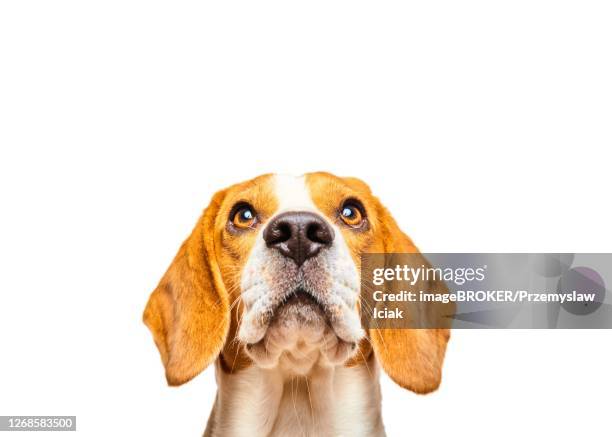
[(482, 125)]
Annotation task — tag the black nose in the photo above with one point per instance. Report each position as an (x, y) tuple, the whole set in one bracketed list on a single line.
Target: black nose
[(298, 235)]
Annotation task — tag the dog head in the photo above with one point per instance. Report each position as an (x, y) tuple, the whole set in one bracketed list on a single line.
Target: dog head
[(270, 277)]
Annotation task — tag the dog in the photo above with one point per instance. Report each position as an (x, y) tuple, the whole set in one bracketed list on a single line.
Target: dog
[(267, 287)]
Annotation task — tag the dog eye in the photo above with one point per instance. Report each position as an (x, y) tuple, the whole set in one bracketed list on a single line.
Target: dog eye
[(243, 216), (351, 214)]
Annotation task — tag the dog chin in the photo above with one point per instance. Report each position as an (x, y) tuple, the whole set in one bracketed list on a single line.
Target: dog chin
[(299, 336)]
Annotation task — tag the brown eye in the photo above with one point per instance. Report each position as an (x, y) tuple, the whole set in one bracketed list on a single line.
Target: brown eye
[(244, 217), (351, 214)]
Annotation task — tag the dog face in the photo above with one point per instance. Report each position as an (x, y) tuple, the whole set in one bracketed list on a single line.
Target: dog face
[(300, 284), (270, 277)]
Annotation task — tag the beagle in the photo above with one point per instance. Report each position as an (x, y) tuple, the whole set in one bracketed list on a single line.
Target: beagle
[(267, 287)]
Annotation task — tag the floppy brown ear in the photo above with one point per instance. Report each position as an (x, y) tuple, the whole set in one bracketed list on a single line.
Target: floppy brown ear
[(188, 312), (411, 357)]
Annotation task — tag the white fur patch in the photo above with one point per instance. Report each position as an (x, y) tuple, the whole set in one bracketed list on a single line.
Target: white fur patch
[(292, 194), (341, 401)]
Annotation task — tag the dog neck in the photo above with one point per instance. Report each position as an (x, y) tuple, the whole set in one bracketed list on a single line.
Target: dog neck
[(329, 401)]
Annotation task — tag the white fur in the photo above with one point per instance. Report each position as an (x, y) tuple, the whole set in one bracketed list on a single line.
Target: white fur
[(341, 401), (292, 194)]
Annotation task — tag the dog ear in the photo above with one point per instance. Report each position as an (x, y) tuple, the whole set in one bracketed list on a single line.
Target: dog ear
[(188, 312), (411, 357)]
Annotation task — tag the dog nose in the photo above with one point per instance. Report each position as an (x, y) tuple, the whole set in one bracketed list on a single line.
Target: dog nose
[(298, 235)]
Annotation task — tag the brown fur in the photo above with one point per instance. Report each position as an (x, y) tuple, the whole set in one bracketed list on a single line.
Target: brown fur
[(190, 304)]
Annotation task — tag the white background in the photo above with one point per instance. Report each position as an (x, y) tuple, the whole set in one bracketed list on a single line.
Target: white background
[(483, 126)]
